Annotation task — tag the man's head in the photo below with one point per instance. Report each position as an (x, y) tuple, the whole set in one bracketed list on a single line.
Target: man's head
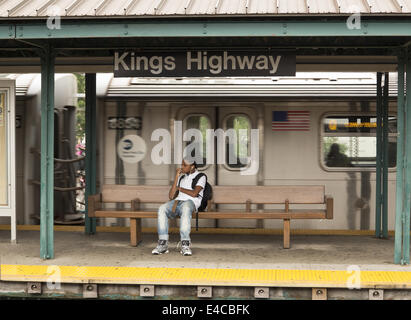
[(188, 165)]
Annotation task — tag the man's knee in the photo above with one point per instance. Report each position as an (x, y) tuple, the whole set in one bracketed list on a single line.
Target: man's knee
[(162, 210), (188, 206)]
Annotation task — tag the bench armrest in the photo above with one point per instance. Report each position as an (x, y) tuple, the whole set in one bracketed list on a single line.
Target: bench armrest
[(329, 203), (94, 203)]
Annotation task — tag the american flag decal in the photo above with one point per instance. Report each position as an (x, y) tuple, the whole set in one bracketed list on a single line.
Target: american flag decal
[(291, 121)]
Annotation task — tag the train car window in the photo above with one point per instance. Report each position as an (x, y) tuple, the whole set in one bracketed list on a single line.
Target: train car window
[(237, 149), (349, 141), (202, 123)]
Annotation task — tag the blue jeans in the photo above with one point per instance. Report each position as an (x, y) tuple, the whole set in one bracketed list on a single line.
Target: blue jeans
[(183, 210)]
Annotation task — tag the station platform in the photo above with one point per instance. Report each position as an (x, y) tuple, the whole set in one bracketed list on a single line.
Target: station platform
[(242, 259)]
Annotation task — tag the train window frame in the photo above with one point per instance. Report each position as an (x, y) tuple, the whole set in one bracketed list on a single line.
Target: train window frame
[(184, 120), (224, 122), (322, 135)]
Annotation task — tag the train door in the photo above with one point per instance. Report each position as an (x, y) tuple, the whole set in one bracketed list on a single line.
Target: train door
[(237, 117)]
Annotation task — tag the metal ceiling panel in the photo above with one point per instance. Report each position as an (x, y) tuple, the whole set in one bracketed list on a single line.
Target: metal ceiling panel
[(201, 7), (262, 7), (153, 8), (231, 7), (322, 6), (354, 6), (292, 7)]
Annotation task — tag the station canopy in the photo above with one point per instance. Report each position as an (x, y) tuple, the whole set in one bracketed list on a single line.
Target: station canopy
[(326, 35)]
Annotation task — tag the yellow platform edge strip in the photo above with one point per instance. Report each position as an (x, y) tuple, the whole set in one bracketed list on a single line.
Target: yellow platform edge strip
[(210, 230), (214, 277)]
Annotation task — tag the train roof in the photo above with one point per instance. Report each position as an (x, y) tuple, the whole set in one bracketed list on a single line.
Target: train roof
[(304, 84), (94, 9), (29, 84)]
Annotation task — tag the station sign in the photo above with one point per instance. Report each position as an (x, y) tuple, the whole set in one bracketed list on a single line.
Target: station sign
[(204, 63)]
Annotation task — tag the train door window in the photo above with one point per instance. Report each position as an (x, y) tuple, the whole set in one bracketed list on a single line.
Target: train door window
[(200, 122), (238, 146), (350, 141)]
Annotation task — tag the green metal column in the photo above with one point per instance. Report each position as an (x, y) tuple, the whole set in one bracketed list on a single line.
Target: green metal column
[(407, 169), (378, 197), (381, 210), (47, 154), (399, 211), (90, 223), (384, 158)]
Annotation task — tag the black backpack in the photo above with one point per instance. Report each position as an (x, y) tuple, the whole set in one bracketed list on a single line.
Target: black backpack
[(207, 193)]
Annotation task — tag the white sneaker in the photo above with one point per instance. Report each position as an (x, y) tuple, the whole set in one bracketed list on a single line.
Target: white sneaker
[(162, 247), (185, 247)]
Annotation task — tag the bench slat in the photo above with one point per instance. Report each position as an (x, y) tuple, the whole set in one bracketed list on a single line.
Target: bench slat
[(269, 194), (221, 194), (126, 193), (292, 214)]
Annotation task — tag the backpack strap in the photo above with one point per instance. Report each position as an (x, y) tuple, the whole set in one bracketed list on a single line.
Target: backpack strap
[(193, 184), (179, 180)]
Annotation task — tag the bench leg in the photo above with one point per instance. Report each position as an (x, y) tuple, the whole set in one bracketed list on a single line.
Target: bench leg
[(135, 231), (286, 233)]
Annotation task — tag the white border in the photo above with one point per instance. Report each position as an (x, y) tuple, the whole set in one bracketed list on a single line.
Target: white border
[(10, 210)]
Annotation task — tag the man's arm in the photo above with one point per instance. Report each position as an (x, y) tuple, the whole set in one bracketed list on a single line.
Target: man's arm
[(192, 193), (172, 194)]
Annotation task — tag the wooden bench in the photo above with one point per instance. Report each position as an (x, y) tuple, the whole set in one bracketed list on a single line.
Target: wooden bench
[(244, 195)]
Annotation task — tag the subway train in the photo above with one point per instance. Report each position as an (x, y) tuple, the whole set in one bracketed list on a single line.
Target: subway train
[(299, 124), (27, 144)]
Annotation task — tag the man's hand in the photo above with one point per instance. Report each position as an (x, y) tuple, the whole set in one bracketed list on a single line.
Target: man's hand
[(179, 171)]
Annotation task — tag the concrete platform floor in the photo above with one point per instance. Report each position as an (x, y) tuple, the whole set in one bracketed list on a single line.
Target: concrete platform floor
[(241, 251)]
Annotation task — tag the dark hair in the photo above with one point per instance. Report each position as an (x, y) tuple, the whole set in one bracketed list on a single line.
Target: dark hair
[(190, 161)]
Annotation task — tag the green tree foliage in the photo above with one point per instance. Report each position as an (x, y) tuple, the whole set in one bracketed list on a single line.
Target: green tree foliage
[(81, 108)]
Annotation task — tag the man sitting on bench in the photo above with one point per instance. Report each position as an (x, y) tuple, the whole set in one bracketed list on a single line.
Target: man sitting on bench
[(183, 201)]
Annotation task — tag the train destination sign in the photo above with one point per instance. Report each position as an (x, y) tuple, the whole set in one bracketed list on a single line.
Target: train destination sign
[(204, 64)]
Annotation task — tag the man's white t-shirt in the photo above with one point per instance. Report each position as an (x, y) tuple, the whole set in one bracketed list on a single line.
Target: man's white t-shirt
[(186, 182)]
